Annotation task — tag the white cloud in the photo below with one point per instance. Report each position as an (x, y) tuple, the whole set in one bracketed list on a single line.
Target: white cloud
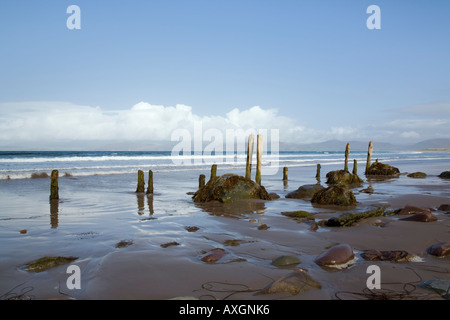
[(47, 122)]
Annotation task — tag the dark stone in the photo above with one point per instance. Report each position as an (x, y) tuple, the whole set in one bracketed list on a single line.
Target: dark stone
[(408, 210), (230, 188), (334, 195), (421, 217), (444, 207), (393, 256), (440, 249), (382, 169), (445, 175), (305, 192)]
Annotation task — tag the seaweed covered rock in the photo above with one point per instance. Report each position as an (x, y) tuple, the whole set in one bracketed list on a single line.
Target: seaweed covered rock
[(382, 169), (334, 195), (305, 192), (45, 263), (230, 188), (343, 177), (350, 218), (417, 175), (445, 175)]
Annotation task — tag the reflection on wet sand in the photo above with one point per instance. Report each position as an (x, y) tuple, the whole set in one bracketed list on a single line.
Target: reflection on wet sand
[(54, 208), (141, 203), (236, 210)]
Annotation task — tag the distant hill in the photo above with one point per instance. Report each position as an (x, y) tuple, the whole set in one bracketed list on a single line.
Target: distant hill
[(432, 144)]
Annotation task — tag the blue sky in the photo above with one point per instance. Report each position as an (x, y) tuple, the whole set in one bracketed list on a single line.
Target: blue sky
[(313, 64)]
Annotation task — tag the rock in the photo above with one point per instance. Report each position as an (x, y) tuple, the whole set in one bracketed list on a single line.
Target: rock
[(191, 228), (23, 231), (169, 244), (298, 215), (294, 283), (263, 227), (439, 249), (350, 218), (445, 175), (421, 217), (230, 188), (305, 192), (46, 263), (393, 256), (334, 195), (417, 175), (343, 177), (381, 169), (285, 261), (408, 210), (214, 255), (444, 207), (273, 196), (337, 255), (124, 243)]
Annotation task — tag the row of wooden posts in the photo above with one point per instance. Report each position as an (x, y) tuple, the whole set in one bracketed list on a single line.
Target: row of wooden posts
[(54, 190)]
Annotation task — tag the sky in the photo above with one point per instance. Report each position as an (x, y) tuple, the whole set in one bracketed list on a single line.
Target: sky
[(136, 71)]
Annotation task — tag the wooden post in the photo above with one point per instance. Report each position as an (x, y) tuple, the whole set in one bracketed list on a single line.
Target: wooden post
[(259, 147), (54, 189), (369, 155), (150, 182), (213, 171), (285, 174), (201, 181), (355, 167), (248, 167), (318, 171), (347, 152), (141, 183)]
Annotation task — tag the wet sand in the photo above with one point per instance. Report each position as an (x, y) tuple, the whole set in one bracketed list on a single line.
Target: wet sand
[(147, 271)]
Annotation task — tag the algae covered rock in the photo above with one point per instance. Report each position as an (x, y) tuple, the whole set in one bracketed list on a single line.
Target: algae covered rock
[(300, 214), (417, 175), (46, 263), (285, 261), (334, 195), (343, 177), (230, 188), (350, 218), (382, 169), (305, 192)]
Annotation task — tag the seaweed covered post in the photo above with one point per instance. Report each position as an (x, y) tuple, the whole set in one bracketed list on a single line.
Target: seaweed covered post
[(141, 183), (369, 155), (201, 181), (150, 182), (54, 189), (259, 147), (285, 174), (347, 153), (318, 171), (213, 171), (248, 167), (355, 167)]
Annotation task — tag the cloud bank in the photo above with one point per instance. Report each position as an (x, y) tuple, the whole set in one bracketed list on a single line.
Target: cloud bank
[(43, 123)]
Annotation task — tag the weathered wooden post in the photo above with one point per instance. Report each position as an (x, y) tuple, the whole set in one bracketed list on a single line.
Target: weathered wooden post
[(285, 174), (248, 167), (54, 189), (141, 183), (347, 152), (355, 167), (259, 147), (318, 171), (201, 181), (369, 155), (213, 171), (150, 182)]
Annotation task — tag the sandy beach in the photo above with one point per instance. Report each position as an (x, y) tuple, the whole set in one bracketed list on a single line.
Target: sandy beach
[(162, 255)]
